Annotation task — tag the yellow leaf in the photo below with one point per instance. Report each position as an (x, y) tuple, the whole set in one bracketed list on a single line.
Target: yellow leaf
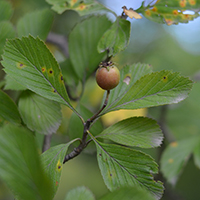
[(131, 13)]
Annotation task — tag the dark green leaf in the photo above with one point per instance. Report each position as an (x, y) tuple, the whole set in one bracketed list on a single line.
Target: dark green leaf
[(69, 74), (52, 160), (196, 154), (8, 109), (37, 23), (6, 32), (135, 131), (83, 42), (83, 7), (20, 166), (128, 193), (5, 10), (29, 62), (116, 38), (40, 114), (155, 89), (80, 193), (121, 166), (175, 156)]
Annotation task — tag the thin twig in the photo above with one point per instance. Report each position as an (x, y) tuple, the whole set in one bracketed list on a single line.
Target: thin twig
[(60, 41), (76, 151), (46, 142)]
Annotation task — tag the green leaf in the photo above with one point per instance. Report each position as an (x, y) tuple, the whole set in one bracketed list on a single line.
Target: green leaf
[(171, 12), (83, 41), (20, 166), (196, 155), (80, 193), (76, 126), (7, 31), (40, 114), (29, 62), (37, 23), (69, 74), (116, 38), (135, 131), (121, 167), (8, 109), (52, 160), (84, 7), (155, 89), (11, 84), (128, 193), (175, 156), (6, 10)]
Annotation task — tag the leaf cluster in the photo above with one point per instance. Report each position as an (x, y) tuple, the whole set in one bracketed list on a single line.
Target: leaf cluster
[(32, 69)]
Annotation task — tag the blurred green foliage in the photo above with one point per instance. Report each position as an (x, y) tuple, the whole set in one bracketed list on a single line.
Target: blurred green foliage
[(149, 43)]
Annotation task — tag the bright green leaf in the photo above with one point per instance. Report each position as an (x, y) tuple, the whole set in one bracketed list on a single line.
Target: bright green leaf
[(128, 193), (196, 155), (171, 12), (83, 41), (175, 156), (8, 109), (29, 62), (84, 7), (52, 160), (121, 166), (80, 193), (40, 114), (135, 131), (116, 38), (155, 89), (6, 10), (37, 23), (20, 165), (7, 31)]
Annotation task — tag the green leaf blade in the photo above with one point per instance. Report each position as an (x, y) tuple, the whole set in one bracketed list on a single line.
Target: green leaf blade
[(6, 10), (52, 161), (82, 7), (83, 42), (6, 32), (37, 23), (175, 156), (155, 89), (80, 193), (8, 109), (136, 131), (29, 62), (40, 114), (121, 166), (116, 38), (128, 193), (21, 163), (171, 12)]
